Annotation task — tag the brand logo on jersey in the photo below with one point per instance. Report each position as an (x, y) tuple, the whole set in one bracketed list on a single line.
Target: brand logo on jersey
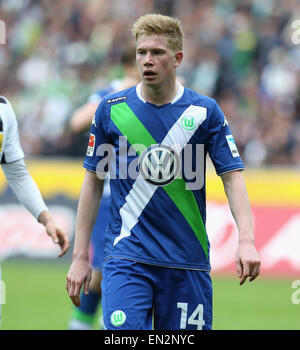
[(94, 121), (117, 318), (225, 122), (117, 99), (159, 165), (188, 123), (91, 145)]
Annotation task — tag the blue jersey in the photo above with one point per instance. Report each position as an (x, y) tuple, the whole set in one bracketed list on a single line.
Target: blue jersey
[(157, 214)]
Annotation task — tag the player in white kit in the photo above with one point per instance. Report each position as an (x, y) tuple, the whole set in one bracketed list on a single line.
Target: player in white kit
[(19, 179)]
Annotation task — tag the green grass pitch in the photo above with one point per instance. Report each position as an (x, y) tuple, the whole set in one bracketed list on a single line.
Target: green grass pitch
[(36, 298)]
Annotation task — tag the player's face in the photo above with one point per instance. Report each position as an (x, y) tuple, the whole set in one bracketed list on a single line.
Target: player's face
[(156, 62)]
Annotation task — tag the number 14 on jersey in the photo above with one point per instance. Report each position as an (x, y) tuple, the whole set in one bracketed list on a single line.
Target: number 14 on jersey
[(196, 317)]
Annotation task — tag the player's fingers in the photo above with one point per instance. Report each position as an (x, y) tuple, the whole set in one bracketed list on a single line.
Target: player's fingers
[(86, 286), (64, 243), (72, 293), (77, 288), (76, 300), (76, 294), (245, 273), (239, 268), (243, 279), (255, 271), (52, 233), (67, 285), (71, 287)]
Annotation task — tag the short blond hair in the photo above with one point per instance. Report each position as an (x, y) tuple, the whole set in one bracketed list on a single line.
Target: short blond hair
[(160, 25)]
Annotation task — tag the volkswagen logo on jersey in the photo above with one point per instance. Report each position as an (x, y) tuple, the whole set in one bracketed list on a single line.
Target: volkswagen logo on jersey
[(159, 164)]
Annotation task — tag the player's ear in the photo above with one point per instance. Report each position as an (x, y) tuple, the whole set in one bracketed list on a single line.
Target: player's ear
[(178, 58)]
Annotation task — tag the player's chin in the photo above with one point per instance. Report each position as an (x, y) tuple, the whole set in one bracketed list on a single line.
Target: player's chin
[(152, 79)]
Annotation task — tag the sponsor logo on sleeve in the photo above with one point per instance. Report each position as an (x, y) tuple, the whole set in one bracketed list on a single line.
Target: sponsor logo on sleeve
[(91, 145), (232, 146)]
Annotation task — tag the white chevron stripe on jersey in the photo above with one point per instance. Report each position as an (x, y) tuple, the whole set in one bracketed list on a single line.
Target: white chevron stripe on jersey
[(136, 200), (142, 191)]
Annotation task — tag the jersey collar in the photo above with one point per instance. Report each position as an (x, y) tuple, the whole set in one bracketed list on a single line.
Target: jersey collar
[(180, 91)]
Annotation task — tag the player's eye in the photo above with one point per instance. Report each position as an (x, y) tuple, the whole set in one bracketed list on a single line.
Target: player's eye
[(157, 52)]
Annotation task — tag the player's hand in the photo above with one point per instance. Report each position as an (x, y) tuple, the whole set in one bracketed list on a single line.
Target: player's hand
[(58, 237), (80, 273), (56, 233), (247, 262)]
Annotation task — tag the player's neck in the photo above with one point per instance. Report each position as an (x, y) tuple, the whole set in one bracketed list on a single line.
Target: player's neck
[(160, 95)]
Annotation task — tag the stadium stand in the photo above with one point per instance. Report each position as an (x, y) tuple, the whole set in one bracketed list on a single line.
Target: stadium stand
[(245, 54)]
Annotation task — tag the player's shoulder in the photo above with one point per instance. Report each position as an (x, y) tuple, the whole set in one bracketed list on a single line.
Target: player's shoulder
[(104, 109), (120, 96), (195, 98), (6, 109)]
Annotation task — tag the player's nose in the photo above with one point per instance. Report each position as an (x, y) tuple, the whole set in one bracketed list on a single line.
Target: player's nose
[(148, 61)]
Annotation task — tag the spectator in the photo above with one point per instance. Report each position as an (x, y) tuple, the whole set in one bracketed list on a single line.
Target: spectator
[(241, 54)]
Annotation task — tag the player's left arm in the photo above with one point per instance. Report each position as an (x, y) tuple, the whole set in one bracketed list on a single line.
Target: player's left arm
[(247, 258)]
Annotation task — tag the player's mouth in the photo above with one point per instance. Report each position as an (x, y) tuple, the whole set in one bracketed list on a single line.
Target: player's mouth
[(149, 74)]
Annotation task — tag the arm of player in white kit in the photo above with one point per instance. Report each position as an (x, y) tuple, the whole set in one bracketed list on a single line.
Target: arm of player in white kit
[(22, 183), (30, 197)]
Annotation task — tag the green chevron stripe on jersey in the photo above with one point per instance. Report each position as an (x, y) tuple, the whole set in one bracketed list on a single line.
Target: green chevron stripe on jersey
[(131, 127), (189, 209)]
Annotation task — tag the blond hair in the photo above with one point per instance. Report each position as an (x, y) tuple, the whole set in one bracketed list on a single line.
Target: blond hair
[(160, 25)]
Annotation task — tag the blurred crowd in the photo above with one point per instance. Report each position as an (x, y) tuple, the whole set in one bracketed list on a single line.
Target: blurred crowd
[(245, 54)]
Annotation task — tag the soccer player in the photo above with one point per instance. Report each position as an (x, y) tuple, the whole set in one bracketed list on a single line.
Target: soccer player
[(83, 316), (82, 117), (19, 179), (156, 258)]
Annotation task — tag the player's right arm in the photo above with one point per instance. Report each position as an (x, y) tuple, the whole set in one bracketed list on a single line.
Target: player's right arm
[(88, 206)]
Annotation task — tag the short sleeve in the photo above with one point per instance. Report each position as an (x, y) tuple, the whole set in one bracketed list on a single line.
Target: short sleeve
[(222, 148), (99, 141)]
